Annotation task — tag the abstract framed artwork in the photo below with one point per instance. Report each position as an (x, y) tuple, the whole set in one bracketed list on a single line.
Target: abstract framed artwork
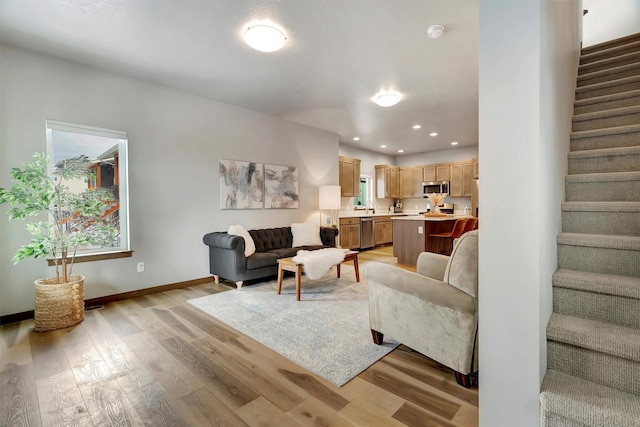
[(280, 187), (241, 185)]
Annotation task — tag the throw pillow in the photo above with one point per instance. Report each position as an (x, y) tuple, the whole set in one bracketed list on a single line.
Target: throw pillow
[(306, 234), (249, 245)]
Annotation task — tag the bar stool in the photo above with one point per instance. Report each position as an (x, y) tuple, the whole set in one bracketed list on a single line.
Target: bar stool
[(471, 224), (456, 232)]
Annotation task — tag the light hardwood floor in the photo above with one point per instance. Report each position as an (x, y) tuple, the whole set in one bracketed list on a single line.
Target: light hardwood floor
[(154, 360)]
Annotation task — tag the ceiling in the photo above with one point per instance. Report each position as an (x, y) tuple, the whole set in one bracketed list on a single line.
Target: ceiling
[(339, 53)]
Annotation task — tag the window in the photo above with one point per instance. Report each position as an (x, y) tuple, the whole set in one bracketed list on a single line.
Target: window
[(107, 150)]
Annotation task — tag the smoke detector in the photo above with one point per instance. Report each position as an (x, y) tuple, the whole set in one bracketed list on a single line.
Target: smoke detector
[(435, 31)]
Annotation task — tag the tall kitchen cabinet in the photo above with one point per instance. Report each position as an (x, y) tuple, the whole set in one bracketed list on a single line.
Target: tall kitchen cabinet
[(387, 181), (411, 182), (349, 176), (461, 179)]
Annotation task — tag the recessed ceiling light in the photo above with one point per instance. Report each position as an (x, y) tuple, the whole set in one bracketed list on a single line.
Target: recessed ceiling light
[(400, 151), (383, 146), (356, 138), (454, 143), (264, 37), (435, 31), (433, 134), (416, 126), (387, 99)]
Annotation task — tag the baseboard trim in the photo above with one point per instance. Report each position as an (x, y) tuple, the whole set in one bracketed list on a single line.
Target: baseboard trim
[(18, 317)]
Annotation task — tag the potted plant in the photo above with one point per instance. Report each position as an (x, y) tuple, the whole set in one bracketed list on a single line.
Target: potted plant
[(75, 221)]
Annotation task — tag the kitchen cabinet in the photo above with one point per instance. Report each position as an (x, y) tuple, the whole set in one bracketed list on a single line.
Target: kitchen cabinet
[(476, 167), (439, 172), (383, 230), (411, 182), (349, 233), (461, 179), (387, 181), (349, 170), (429, 173), (443, 172)]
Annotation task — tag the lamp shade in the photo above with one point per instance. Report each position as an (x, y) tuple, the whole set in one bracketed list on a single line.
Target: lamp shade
[(329, 197)]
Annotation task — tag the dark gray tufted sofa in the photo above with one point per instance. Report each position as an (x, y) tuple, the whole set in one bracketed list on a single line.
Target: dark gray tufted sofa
[(226, 252)]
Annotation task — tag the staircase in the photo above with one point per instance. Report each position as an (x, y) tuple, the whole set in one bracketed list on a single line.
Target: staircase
[(593, 336)]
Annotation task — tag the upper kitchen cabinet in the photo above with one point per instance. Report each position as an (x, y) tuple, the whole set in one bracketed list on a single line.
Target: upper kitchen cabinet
[(476, 167), (387, 181), (439, 172), (461, 179), (411, 182), (349, 176)]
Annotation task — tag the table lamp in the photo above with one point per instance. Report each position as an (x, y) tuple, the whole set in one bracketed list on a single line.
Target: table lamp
[(329, 198)]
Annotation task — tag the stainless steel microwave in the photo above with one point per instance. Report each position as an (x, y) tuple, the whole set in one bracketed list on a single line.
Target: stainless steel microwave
[(435, 187)]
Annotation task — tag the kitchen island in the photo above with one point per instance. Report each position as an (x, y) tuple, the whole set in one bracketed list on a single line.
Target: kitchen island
[(411, 234)]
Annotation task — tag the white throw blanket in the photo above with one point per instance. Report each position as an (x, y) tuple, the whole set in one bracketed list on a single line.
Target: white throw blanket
[(317, 263)]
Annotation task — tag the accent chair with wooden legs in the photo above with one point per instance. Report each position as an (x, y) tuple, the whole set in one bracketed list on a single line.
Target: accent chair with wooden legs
[(434, 310)]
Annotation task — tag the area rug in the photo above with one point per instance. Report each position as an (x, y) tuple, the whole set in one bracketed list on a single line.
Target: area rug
[(327, 332)]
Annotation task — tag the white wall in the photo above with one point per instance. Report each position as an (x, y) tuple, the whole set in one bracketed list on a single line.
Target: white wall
[(528, 63), (175, 142), (610, 19)]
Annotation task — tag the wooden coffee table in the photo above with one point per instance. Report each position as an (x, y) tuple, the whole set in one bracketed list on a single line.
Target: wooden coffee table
[(287, 264)]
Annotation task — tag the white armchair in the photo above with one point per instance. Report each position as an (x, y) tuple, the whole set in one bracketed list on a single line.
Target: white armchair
[(435, 310)]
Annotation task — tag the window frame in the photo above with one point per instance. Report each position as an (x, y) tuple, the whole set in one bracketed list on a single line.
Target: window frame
[(124, 249)]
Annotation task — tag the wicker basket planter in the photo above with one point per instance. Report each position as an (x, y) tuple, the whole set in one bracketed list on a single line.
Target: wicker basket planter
[(59, 305)]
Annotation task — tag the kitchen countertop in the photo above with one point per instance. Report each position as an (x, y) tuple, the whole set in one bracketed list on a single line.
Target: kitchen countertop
[(364, 214), (431, 218)]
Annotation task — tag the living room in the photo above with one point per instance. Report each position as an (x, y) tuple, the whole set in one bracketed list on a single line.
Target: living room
[(177, 139)]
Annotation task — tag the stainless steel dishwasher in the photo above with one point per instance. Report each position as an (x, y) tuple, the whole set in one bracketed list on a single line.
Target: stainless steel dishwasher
[(366, 233)]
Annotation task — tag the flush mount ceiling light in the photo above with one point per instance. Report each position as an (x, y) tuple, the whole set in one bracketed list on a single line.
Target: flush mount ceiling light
[(356, 138), (383, 146), (416, 126), (454, 143), (435, 31), (387, 99), (400, 151), (264, 37), (433, 134)]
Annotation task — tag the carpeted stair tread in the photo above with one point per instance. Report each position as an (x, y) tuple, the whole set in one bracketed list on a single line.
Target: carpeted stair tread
[(607, 132), (612, 47), (612, 73), (604, 177), (633, 109), (621, 84), (606, 284), (580, 402), (629, 243), (613, 117), (602, 337), (608, 62), (602, 152), (604, 160), (601, 207), (606, 98)]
